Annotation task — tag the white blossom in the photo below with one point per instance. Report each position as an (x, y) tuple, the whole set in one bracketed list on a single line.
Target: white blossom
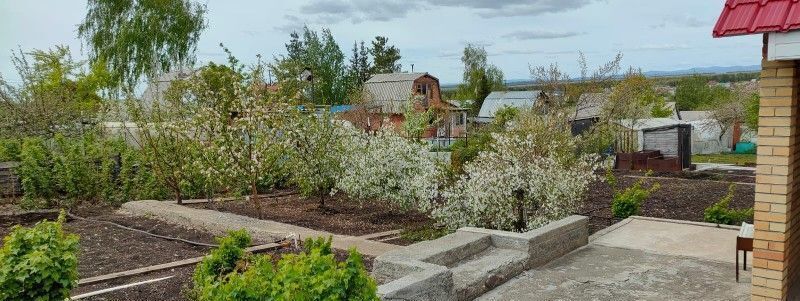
[(389, 168), (512, 181)]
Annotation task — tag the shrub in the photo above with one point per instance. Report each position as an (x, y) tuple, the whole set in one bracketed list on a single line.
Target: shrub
[(389, 168), (720, 213), (311, 275), (222, 260), (628, 202), (35, 172), (10, 149), (526, 180), (38, 263), (466, 150), (76, 169), (316, 154)]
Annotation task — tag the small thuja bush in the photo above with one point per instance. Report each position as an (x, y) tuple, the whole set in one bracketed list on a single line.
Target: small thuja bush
[(230, 273), (38, 263), (720, 212), (628, 201)]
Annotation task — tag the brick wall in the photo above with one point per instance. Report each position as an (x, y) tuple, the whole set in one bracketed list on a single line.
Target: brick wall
[(776, 201)]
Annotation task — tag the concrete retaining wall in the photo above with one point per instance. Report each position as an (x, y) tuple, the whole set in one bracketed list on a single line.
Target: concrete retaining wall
[(471, 261)]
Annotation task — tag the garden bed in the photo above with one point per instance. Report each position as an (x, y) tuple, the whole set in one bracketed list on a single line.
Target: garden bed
[(339, 216), (106, 249), (177, 287), (679, 198)]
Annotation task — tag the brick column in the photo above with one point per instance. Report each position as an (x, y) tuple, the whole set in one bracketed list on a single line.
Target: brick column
[(776, 241)]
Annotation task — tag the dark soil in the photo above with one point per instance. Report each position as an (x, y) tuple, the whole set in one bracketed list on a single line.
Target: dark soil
[(106, 249), (339, 216), (712, 175), (678, 198)]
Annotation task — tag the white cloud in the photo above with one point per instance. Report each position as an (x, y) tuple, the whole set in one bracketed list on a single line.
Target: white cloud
[(541, 34)]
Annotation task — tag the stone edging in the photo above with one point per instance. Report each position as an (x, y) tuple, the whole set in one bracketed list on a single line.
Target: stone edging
[(472, 261)]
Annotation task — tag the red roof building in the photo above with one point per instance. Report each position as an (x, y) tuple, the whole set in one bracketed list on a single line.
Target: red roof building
[(741, 17)]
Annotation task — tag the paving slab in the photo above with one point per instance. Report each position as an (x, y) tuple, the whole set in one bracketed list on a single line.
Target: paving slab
[(606, 273), (720, 166), (220, 223), (639, 259), (670, 237)]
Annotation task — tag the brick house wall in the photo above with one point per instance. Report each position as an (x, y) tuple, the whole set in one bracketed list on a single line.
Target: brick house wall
[(777, 201)]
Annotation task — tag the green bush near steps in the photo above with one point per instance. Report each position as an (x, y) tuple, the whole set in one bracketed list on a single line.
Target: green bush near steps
[(628, 201), (39, 263), (720, 212), (230, 273)]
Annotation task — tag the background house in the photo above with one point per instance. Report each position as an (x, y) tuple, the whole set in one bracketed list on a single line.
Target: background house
[(393, 93), (501, 99)]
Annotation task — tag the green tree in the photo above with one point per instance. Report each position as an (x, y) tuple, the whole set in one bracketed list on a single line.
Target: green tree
[(57, 95), (385, 57), (693, 93), (359, 69), (480, 78), (137, 38), (316, 154), (752, 107), (319, 53)]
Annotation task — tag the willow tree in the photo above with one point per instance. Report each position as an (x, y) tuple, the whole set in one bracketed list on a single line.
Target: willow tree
[(140, 38)]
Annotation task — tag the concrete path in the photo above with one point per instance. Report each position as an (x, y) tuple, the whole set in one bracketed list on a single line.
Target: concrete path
[(219, 223), (669, 237), (718, 166), (639, 259)]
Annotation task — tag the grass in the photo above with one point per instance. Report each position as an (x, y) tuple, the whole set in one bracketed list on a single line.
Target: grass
[(423, 233), (726, 158)]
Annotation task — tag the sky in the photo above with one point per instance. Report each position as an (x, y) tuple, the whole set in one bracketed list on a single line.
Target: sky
[(517, 34)]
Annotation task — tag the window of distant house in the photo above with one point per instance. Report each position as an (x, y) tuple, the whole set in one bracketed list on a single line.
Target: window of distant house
[(422, 89), (461, 118)]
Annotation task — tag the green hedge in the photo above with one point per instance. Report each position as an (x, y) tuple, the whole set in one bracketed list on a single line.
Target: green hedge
[(63, 171)]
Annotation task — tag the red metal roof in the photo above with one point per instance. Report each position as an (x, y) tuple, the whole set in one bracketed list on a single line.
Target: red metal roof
[(740, 17)]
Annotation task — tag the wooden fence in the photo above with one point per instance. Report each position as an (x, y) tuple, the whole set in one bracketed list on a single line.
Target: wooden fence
[(626, 141), (10, 184)]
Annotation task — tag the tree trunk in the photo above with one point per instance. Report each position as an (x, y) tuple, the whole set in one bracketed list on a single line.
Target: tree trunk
[(178, 197), (322, 201), (254, 198), (520, 225)]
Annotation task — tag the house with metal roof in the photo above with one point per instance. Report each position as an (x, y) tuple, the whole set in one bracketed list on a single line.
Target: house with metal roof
[(392, 94), (776, 240), (506, 99)]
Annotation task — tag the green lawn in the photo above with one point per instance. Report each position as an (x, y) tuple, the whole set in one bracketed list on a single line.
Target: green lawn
[(738, 159)]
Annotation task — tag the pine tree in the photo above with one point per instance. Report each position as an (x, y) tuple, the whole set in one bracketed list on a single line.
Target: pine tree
[(385, 58)]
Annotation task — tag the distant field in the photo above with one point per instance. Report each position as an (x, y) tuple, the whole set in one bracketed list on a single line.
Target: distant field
[(737, 159)]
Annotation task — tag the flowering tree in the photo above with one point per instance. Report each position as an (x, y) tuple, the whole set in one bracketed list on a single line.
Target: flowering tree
[(389, 168), (316, 154), (530, 177), (167, 146), (242, 126)]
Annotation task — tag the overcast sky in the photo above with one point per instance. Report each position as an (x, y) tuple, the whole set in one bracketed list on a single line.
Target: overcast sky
[(653, 35)]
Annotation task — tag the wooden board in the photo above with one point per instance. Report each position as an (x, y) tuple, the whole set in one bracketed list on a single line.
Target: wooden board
[(165, 266)]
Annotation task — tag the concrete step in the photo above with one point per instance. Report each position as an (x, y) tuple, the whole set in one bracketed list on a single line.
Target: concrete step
[(451, 249), (485, 271)]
